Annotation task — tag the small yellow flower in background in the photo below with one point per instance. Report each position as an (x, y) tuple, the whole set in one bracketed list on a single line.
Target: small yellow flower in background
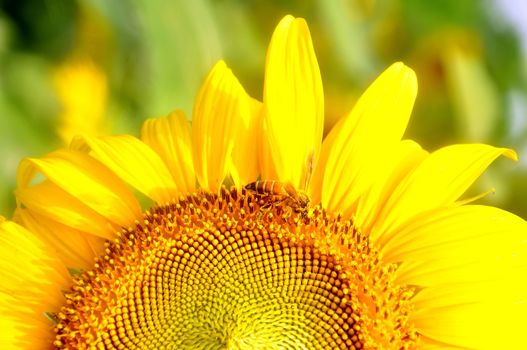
[(385, 255), (82, 90)]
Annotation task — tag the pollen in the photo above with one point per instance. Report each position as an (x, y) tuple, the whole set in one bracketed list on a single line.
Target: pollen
[(236, 271)]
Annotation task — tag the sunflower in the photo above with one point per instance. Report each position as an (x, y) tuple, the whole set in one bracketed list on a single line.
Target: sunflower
[(81, 88), (357, 241)]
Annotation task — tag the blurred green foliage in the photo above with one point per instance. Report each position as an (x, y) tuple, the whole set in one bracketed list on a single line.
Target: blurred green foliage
[(471, 69)]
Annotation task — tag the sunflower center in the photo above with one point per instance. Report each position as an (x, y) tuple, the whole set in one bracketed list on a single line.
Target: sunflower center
[(236, 271)]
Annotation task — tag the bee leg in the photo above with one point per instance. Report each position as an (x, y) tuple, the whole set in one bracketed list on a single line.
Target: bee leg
[(264, 210)]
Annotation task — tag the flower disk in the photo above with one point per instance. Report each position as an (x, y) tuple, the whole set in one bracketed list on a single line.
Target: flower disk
[(236, 271)]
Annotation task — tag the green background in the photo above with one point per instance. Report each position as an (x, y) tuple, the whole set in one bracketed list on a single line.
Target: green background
[(154, 54)]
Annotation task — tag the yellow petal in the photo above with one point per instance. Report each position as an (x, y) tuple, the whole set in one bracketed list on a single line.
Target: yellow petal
[(471, 261), (132, 161), (32, 279), (459, 235), (267, 168), (500, 291), (245, 165), (294, 102), (221, 106), (438, 181), (76, 249), (52, 202), (443, 272), (388, 171), (317, 179), (494, 324), (372, 127), (83, 178), (170, 138), (426, 343)]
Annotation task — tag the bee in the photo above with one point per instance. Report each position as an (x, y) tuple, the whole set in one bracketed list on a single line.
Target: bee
[(284, 192)]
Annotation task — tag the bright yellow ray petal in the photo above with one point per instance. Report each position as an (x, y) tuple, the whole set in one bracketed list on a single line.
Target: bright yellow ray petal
[(501, 291), (221, 106), (426, 343), (49, 200), (395, 164), (494, 324), (245, 165), (32, 280), (75, 248), (317, 179), (459, 235), (438, 181), (471, 261), (132, 161), (374, 125), (170, 138), (293, 100), (266, 167), (85, 179), (441, 272)]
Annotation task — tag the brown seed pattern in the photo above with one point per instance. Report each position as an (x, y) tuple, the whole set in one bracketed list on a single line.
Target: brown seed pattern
[(213, 272)]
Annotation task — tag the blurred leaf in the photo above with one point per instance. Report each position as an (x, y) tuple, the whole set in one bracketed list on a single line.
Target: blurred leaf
[(19, 137), (244, 44), (473, 94), (505, 59), (348, 29), (181, 44), (425, 17), (46, 26), (26, 83)]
